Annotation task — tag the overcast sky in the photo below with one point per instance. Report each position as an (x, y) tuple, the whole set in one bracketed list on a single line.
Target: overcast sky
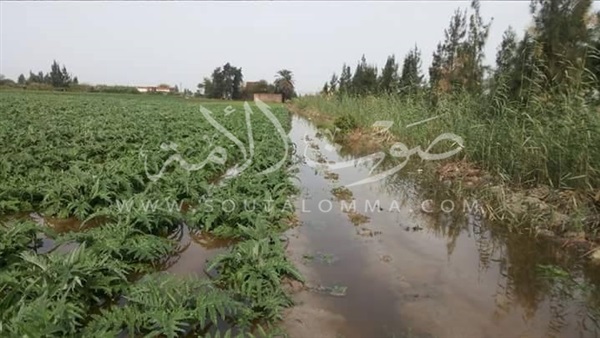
[(182, 42)]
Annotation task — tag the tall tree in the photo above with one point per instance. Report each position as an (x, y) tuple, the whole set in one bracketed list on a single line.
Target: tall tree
[(238, 78), (435, 70), (217, 89), (411, 79), (473, 69), (32, 77), (504, 81), (284, 83), (66, 77), (345, 81), (458, 62), (561, 29), (224, 83), (365, 78), (444, 70), (325, 89), (21, 80), (454, 35), (388, 81), (333, 82), (506, 52), (56, 75)]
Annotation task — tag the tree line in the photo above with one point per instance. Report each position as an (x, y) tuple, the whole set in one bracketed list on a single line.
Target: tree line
[(227, 83), (559, 53), (57, 77), (366, 79)]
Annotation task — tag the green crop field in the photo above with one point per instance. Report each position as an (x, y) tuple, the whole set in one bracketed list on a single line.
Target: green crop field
[(82, 157)]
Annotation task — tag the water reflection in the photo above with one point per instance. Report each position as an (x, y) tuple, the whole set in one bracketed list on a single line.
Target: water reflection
[(530, 296), (568, 305)]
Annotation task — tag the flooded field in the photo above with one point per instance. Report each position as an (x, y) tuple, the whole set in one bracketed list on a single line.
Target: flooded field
[(379, 259), (402, 271)]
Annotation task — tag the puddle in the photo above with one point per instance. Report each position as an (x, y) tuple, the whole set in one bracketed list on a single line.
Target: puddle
[(406, 272), (195, 249)]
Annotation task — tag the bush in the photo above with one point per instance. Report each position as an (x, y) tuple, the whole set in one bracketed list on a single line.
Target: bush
[(345, 123), (38, 86)]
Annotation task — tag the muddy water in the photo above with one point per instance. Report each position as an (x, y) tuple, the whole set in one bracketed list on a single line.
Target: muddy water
[(406, 272), (195, 250)]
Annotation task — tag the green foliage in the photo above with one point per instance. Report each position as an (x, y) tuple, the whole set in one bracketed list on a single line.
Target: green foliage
[(113, 89), (225, 83), (560, 27), (51, 294), (57, 78), (333, 82), (346, 122), (254, 269), (284, 84), (552, 142), (389, 81), (325, 90), (163, 305), (535, 121), (90, 157), (411, 80), (16, 238), (367, 81), (345, 80), (458, 62), (364, 80), (122, 241)]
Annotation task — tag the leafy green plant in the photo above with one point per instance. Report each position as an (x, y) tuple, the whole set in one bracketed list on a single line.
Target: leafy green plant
[(168, 306), (253, 269), (88, 157), (346, 123)]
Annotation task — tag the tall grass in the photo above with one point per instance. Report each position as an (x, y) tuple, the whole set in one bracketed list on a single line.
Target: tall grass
[(553, 141)]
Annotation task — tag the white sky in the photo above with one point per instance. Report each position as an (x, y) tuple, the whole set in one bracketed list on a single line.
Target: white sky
[(182, 42)]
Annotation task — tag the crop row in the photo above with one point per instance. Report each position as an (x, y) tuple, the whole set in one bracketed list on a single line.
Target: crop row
[(78, 155)]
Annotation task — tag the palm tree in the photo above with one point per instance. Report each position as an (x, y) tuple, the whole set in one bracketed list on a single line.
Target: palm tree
[(284, 84)]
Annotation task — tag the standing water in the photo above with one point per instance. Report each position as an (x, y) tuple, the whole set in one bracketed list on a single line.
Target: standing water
[(403, 272)]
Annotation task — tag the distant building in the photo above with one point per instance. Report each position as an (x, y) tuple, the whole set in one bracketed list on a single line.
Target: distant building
[(157, 89), (267, 97)]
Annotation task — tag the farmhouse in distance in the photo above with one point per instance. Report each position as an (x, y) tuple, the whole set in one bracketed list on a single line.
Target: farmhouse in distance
[(268, 97), (263, 91), (162, 88)]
